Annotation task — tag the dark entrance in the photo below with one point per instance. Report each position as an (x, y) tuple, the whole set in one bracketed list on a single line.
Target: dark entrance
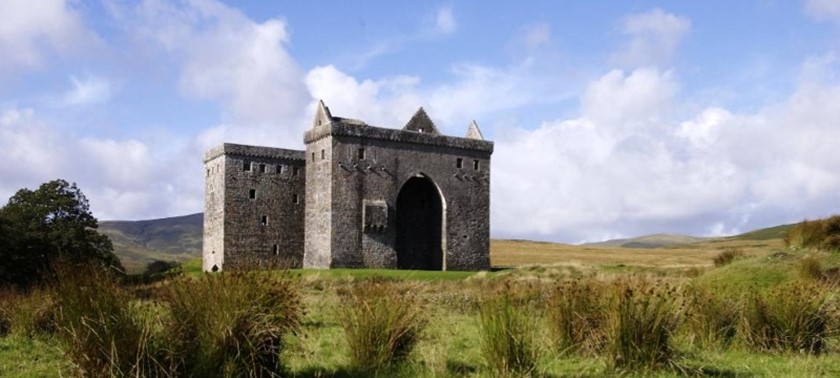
[(419, 216)]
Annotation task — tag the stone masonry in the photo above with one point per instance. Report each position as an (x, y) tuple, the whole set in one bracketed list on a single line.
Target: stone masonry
[(358, 196)]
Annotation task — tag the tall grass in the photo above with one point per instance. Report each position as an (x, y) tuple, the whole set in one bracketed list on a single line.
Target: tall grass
[(100, 330), (727, 256), (231, 324), (27, 313), (789, 318), (641, 325), (507, 337), (382, 323), (577, 316), (820, 234), (711, 318)]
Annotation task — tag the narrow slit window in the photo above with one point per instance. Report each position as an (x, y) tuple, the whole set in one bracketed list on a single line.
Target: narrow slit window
[(208, 173), (322, 155), (295, 199), (252, 193), (247, 166), (313, 156), (475, 165), (459, 163), (262, 168), (276, 250), (361, 154), (279, 168), (264, 220), (295, 171)]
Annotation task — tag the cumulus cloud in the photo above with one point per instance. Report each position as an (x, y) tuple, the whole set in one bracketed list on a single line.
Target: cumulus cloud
[(654, 37), (122, 178), (225, 56), (626, 166), (30, 33)]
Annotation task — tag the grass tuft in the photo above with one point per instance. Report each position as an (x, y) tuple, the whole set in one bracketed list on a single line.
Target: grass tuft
[(507, 337), (577, 314), (382, 323), (727, 256)]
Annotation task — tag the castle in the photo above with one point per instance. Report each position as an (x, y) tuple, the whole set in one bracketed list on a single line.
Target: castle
[(359, 196)]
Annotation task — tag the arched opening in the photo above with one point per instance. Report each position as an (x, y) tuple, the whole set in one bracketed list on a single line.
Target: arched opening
[(419, 223)]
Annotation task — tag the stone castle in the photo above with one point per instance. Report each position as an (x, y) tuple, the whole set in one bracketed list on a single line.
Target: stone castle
[(359, 196)]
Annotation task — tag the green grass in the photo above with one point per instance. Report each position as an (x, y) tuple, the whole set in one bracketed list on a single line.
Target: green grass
[(22, 356)]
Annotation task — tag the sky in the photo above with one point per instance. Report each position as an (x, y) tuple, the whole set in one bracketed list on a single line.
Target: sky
[(610, 118)]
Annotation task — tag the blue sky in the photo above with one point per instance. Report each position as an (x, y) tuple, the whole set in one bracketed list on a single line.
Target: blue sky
[(610, 119)]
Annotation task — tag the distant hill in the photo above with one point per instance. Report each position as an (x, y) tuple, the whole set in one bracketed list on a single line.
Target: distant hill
[(649, 241), (138, 243)]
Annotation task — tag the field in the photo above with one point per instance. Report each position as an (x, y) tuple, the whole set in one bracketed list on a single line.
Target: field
[(453, 309)]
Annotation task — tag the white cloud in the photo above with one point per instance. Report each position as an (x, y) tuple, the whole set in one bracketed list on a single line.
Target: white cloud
[(445, 21), (823, 9), (121, 178), (225, 56), (654, 37), (627, 166), (87, 91), (30, 32)]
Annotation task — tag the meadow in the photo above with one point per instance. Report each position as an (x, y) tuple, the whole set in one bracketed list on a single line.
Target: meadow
[(756, 305)]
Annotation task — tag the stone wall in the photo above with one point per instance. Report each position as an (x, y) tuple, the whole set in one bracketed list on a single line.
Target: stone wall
[(370, 165), (263, 211)]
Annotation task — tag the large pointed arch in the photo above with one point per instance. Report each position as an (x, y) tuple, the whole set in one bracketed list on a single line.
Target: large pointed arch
[(421, 225)]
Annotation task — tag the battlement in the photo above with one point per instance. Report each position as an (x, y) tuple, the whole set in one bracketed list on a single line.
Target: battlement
[(338, 127), (252, 151)]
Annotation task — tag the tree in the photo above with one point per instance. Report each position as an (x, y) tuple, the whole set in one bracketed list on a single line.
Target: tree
[(38, 228)]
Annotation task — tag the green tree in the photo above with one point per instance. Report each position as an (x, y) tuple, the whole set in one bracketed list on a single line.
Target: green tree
[(37, 228)]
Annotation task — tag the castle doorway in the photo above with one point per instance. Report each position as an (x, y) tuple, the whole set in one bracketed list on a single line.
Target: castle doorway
[(419, 223)]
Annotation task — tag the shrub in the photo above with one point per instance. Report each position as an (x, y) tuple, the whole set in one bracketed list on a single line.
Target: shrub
[(577, 316), (820, 234), (507, 337), (382, 323), (711, 318), (727, 256), (100, 329), (231, 324), (810, 268), (641, 324), (790, 318)]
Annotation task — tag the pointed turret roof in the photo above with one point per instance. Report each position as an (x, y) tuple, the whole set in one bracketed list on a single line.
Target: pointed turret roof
[(473, 132), (322, 115), (421, 123)]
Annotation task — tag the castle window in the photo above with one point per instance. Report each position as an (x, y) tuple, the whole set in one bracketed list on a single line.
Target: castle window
[(208, 173), (262, 168), (247, 166), (322, 155), (252, 193), (361, 154), (279, 168), (459, 163), (295, 199), (276, 250), (264, 220), (295, 170), (475, 164), (313, 156)]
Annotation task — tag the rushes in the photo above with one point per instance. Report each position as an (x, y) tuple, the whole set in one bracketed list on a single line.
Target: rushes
[(382, 323), (507, 337), (792, 318), (577, 316)]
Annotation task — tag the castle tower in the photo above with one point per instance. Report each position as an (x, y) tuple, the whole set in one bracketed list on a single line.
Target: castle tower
[(253, 207), (388, 198)]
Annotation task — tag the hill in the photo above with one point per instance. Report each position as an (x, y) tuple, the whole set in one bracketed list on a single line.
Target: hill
[(649, 241), (138, 243)]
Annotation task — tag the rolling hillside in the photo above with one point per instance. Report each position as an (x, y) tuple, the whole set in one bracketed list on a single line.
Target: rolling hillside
[(138, 243)]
